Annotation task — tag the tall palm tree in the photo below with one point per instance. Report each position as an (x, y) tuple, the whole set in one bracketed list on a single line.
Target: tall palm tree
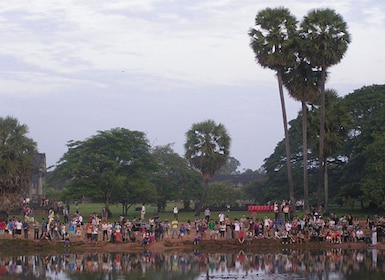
[(207, 149), (271, 38), (302, 82), (325, 41)]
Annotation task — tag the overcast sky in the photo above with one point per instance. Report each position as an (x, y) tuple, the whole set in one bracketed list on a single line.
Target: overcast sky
[(70, 68)]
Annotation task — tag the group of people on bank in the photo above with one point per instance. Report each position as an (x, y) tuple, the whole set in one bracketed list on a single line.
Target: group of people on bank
[(98, 227)]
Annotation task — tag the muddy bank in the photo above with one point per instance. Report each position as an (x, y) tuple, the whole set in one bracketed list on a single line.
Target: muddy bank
[(29, 247)]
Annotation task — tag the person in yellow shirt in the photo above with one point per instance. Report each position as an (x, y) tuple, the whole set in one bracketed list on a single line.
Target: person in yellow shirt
[(174, 228)]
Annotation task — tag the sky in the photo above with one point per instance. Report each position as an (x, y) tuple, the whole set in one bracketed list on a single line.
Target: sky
[(72, 68)]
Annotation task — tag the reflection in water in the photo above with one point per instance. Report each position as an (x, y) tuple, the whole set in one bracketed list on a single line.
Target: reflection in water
[(328, 264)]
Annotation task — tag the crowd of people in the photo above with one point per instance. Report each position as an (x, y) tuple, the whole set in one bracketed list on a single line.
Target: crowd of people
[(98, 227)]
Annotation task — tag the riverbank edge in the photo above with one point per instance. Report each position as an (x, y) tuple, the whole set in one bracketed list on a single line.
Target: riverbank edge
[(17, 247)]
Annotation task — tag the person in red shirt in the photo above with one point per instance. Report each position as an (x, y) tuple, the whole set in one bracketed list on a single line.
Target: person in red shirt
[(241, 237), (2, 227)]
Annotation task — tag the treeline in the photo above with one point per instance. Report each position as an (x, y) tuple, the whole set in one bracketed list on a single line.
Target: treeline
[(354, 149)]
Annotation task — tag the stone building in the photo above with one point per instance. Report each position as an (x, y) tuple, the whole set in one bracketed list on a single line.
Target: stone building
[(36, 188)]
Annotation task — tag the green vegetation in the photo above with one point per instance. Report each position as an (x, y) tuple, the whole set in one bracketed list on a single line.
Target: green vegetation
[(16, 161), (207, 150), (301, 57)]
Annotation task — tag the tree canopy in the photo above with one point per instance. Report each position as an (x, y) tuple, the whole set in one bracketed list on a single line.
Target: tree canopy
[(109, 162), (174, 178), (354, 135), (16, 154), (207, 148)]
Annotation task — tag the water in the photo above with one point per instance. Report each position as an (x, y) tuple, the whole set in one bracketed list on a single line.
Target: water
[(289, 264)]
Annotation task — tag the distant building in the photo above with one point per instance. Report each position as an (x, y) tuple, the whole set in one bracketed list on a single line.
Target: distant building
[(36, 188)]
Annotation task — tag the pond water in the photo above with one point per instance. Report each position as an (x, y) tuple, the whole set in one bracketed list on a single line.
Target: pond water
[(288, 264)]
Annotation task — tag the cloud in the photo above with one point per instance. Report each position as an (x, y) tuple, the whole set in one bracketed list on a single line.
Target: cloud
[(71, 68)]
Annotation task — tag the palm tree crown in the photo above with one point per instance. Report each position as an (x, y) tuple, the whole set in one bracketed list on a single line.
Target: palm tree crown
[(326, 38), (207, 147), (272, 36)]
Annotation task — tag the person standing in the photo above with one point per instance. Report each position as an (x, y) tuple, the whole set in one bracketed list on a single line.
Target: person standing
[(36, 230), (105, 231), (25, 229), (143, 212), (65, 214), (374, 235), (2, 228), (207, 214), (175, 211), (104, 215), (43, 229), (221, 217), (174, 228)]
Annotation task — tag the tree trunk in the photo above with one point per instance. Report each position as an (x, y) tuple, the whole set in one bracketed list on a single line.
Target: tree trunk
[(287, 142), (304, 151), (204, 194), (186, 204), (321, 138), (107, 202), (326, 185)]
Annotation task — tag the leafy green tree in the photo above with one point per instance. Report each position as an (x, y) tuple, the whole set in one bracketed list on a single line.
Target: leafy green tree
[(254, 192), (173, 177), (367, 110), (16, 154), (274, 186), (106, 161), (220, 194), (135, 189), (191, 188), (325, 40), (337, 125), (373, 183), (271, 40), (207, 148), (230, 168)]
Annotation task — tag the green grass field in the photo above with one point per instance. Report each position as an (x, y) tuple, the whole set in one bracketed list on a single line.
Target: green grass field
[(87, 209)]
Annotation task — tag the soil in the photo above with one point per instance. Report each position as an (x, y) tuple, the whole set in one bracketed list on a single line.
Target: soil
[(27, 247)]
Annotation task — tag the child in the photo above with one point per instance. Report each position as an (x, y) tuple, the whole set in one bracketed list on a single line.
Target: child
[(182, 231), (146, 239), (241, 237), (249, 237), (67, 242), (197, 238)]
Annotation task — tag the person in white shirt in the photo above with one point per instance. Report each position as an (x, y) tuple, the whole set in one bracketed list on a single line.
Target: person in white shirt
[(221, 217), (175, 211), (143, 212)]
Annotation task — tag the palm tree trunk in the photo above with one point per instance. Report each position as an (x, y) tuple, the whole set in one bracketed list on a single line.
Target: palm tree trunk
[(326, 185), (287, 142), (321, 138), (304, 152), (203, 197)]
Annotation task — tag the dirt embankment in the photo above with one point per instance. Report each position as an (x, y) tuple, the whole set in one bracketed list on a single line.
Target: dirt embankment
[(28, 247)]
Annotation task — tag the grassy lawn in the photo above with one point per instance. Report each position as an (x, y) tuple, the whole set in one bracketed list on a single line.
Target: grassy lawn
[(87, 209)]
